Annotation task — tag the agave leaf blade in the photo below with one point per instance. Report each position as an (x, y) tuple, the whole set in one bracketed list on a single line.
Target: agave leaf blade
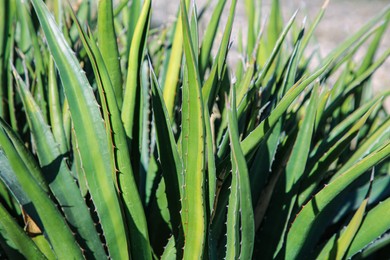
[(275, 51), (374, 225), (209, 36), (381, 134), (209, 89), (61, 237), (140, 247), (250, 10), (338, 247), (90, 132), (348, 235), (55, 112), (9, 179), (6, 11), (211, 167), (307, 37), (170, 250), (109, 47), (134, 67), (173, 69), (63, 185), (30, 39), (333, 148), (10, 229), (169, 156), (133, 15), (275, 23), (374, 46), (25, 156), (240, 169), (232, 223), (255, 137), (193, 149), (304, 231), (295, 168)]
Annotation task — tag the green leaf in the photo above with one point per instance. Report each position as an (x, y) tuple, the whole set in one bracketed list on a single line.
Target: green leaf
[(331, 148), (210, 87), (308, 35), (109, 47), (90, 133), (374, 46), (262, 167), (295, 168), (374, 225), (55, 226), (250, 9), (255, 137), (275, 51), (133, 16), (12, 231), (304, 231), (376, 245), (211, 167), (368, 145), (173, 69), (55, 109), (170, 160), (31, 40), (233, 221), (300, 153), (209, 36), (240, 170), (25, 156), (6, 12), (63, 185), (337, 249), (8, 178), (344, 241), (170, 250), (140, 247), (193, 150), (275, 23), (136, 56)]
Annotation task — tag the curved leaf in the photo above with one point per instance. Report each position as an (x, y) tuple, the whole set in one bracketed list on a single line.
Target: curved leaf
[(11, 230), (109, 47), (304, 230), (133, 70), (61, 237), (239, 168), (90, 133), (60, 178)]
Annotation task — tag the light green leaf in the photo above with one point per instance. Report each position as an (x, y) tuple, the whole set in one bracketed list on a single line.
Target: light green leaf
[(63, 185), (116, 137), (193, 150), (90, 133), (133, 70), (109, 47)]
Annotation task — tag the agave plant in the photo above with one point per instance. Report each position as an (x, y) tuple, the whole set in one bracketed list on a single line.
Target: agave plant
[(120, 141)]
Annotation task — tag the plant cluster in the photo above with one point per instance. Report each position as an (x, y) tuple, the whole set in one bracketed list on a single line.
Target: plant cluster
[(124, 141)]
